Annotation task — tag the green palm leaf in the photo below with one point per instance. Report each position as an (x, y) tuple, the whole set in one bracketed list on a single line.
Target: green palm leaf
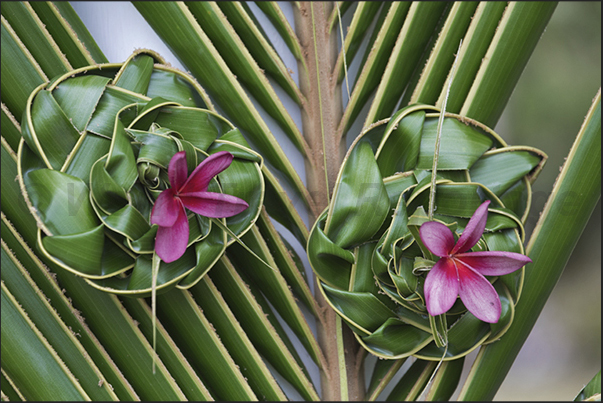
[(88, 139)]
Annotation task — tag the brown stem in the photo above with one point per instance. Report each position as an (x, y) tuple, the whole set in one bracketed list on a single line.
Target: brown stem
[(321, 115), (323, 109)]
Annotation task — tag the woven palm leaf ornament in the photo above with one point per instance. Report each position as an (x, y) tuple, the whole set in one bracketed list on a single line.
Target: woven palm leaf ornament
[(103, 144), (372, 253)]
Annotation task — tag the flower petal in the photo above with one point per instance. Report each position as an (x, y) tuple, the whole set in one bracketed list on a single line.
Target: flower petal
[(441, 287), (166, 209), (215, 205), (437, 238), (210, 167), (478, 295), (493, 263), (171, 242), (474, 229), (178, 170)]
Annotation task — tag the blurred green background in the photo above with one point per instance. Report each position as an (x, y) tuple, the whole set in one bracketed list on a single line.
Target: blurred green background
[(555, 91)]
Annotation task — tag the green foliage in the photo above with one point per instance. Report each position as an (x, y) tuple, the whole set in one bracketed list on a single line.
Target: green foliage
[(90, 142)]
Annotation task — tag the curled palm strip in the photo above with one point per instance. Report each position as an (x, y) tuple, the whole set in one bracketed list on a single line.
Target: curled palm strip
[(365, 247), (97, 145)]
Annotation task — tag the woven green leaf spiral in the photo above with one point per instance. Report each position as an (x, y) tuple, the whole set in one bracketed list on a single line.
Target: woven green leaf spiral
[(365, 247), (96, 146)]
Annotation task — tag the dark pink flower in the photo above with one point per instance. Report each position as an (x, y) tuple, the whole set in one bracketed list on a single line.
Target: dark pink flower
[(459, 272), (169, 210)]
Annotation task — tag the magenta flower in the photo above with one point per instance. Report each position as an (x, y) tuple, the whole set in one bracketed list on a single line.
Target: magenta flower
[(169, 210), (459, 272)]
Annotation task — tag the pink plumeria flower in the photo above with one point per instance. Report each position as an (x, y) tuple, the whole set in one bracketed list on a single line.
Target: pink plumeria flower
[(459, 272), (169, 210)]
